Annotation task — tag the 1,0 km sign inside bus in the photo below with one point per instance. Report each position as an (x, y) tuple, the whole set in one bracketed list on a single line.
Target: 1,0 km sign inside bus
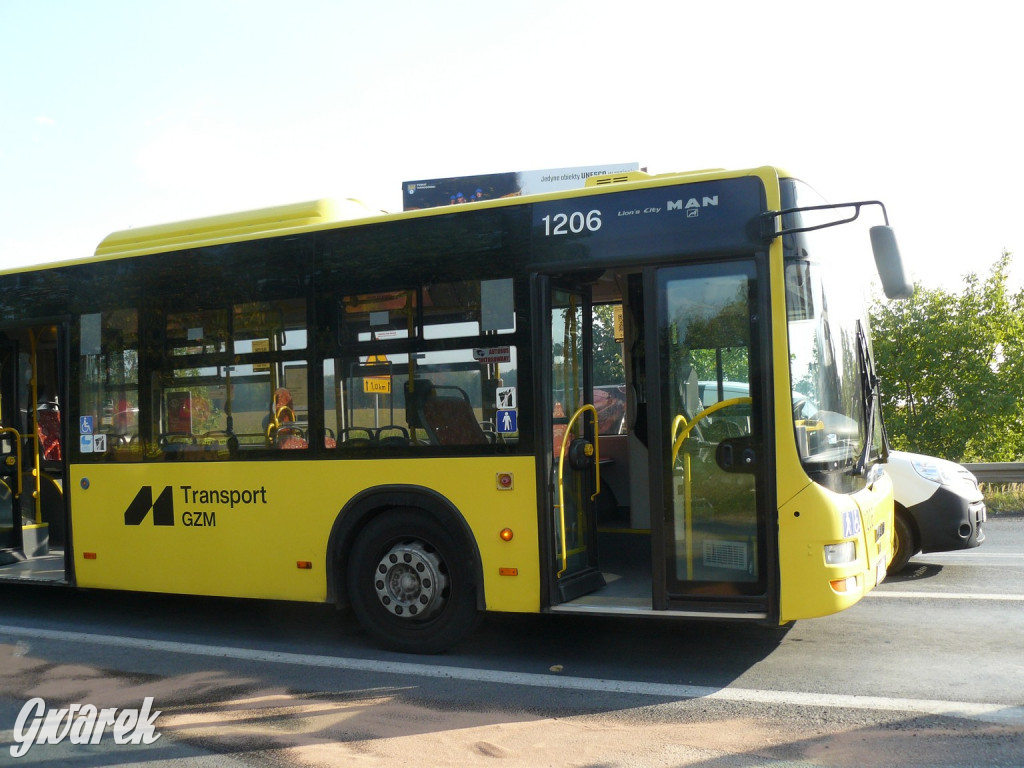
[(377, 385)]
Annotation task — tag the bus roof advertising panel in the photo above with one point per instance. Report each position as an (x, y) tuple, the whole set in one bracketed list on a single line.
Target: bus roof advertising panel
[(455, 190)]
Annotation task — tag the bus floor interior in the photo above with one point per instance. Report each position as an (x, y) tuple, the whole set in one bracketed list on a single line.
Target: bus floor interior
[(625, 562), (14, 566)]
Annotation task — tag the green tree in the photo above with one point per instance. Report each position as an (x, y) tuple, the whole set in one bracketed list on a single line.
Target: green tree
[(607, 351), (951, 369)]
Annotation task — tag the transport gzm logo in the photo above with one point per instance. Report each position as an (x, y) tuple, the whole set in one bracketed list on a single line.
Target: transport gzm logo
[(163, 508), (206, 499)]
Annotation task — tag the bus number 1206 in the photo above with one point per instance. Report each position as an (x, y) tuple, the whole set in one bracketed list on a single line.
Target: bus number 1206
[(575, 222)]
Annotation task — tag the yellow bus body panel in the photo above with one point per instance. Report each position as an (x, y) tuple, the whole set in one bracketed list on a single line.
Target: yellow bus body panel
[(241, 529), (814, 518), (810, 516)]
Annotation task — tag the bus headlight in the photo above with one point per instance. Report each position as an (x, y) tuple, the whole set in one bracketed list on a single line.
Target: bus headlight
[(840, 554)]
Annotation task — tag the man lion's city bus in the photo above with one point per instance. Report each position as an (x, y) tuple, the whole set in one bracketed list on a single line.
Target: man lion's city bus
[(516, 405)]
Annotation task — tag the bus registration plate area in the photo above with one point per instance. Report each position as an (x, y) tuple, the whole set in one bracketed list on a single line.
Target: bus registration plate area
[(882, 543), (880, 572)]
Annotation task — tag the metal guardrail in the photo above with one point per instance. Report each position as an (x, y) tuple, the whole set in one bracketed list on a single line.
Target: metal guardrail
[(998, 472)]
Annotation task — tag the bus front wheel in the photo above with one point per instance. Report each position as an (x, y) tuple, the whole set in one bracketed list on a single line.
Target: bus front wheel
[(410, 583), (903, 542)]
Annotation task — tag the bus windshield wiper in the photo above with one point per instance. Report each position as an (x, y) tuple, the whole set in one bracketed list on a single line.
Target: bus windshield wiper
[(869, 393)]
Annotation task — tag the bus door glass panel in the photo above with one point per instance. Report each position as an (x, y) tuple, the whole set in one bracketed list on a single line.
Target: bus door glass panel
[(710, 438), (572, 478), (32, 446), (10, 528), (17, 507)]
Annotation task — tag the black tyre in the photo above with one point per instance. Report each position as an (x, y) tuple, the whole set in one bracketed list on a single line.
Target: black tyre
[(903, 542), (411, 583)]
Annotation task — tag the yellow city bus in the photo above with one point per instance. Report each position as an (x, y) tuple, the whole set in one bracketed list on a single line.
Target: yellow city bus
[(516, 405)]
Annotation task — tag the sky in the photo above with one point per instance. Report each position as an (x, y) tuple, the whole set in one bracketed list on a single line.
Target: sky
[(116, 114)]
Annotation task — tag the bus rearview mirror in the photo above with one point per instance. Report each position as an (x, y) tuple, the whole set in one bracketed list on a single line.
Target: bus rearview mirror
[(890, 264)]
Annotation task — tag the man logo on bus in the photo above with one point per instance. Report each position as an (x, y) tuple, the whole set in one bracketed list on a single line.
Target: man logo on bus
[(693, 204), (163, 507)]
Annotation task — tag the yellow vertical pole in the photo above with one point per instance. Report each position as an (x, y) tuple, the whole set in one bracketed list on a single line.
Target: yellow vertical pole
[(37, 491), (688, 515)]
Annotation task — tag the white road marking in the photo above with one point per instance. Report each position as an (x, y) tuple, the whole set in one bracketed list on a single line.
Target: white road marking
[(980, 554), (971, 555), (946, 595), (1003, 714)]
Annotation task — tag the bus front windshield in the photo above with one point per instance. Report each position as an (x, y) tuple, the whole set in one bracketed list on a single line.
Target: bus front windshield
[(835, 414)]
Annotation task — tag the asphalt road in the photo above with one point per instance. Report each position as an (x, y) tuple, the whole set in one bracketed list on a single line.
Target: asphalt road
[(928, 670)]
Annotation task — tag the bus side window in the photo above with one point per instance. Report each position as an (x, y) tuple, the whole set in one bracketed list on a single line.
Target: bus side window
[(392, 340), (234, 382), (457, 398), (109, 389)]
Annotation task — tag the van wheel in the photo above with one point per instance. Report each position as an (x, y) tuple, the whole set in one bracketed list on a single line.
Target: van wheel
[(411, 584), (903, 542)]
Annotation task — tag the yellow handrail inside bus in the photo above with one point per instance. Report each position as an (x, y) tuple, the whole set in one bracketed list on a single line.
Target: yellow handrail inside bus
[(677, 443), (561, 463), (677, 440), (17, 454), (677, 422)]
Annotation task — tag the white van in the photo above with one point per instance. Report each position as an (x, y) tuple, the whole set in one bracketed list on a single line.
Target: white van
[(938, 506)]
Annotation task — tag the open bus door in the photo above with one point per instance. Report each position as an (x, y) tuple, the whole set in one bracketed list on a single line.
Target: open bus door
[(677, 495), (710, 484), (574, 450), (33, 454), (679, 498)]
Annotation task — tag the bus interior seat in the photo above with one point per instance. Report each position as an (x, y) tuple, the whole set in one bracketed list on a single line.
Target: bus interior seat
[(221, 441), (290, 438), (48, 431), (174, 445), (356, 437), (392, 435), (446, 414)]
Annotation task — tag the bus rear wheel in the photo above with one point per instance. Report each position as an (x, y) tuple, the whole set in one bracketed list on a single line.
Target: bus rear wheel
[(410, 583)]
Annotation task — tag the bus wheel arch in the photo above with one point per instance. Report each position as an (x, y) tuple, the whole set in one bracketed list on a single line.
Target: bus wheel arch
[(406, 563)]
